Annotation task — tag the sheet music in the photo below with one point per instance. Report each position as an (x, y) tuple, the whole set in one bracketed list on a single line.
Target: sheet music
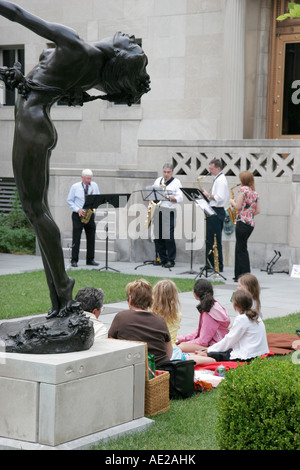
[(204, 206)]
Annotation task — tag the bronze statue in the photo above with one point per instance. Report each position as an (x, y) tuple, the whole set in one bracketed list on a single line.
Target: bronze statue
[(115, 66)]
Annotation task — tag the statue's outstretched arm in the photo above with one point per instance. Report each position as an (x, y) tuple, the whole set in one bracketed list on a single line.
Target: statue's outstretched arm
[(54, 32)]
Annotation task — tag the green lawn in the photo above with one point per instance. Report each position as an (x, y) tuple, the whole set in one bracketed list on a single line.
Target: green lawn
[(27, 294), (189, 424)]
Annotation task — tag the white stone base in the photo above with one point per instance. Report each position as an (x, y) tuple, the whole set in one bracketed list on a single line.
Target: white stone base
[(84, 443), (54, 399)]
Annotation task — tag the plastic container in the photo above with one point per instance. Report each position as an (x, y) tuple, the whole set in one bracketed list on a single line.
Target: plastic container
[(221, 370)]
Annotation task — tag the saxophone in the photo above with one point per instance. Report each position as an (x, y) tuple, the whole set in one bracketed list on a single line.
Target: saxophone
[(151, 208), (85, 218), (231, 210), (199, 179), (216, 255)]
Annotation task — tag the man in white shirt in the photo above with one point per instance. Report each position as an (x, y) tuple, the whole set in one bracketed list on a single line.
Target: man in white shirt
[(218, 199), (165, 216), (76, 200), (91, 300)]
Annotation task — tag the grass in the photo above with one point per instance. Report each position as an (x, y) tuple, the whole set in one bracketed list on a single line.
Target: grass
[(27, 294), (189, 424)]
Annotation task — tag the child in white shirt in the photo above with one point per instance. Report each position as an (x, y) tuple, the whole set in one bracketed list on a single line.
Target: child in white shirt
[(247, 338)]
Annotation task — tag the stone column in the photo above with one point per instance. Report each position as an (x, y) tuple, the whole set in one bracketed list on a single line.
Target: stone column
[(232, 117)]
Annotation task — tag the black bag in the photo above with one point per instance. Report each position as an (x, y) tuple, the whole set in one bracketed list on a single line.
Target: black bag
[(181, 377)]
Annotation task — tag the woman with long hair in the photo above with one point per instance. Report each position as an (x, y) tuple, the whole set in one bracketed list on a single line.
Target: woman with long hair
[(247, 206), (115, 66)]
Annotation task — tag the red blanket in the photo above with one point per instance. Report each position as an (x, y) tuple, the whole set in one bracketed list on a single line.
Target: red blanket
[(214, 365), (227, 364)]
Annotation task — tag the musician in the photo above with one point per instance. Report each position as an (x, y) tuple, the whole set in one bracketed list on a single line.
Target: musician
[(247, 205), (76, 200), (218, 198), (165, 216)]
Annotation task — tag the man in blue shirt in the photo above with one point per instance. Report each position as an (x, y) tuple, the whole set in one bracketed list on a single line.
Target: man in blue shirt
[(76, 200)]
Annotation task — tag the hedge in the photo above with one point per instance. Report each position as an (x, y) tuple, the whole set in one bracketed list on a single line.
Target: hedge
[(259, 406)]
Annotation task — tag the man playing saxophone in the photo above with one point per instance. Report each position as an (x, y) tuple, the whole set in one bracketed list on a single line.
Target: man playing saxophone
[(218, 198), (165, 217), (76, 199)]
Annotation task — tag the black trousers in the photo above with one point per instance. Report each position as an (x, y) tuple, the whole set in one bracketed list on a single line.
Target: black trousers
[(224, 356), (90, 230), (214, 225), (220, 356), (164, 227), (242, 261)]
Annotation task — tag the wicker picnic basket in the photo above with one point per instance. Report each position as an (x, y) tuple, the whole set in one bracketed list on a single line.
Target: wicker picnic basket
[(157, 398)]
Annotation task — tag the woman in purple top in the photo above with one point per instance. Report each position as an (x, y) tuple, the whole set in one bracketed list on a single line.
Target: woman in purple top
[(247, 206), (213, 322)]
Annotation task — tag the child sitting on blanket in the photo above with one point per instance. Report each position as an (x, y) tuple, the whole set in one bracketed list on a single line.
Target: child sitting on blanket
[(250, 283), (213, 322), (166, 304), (246, 339)]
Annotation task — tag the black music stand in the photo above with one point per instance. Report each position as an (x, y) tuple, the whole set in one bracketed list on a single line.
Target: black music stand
[(155, 194), (201, 200), (116, 200)]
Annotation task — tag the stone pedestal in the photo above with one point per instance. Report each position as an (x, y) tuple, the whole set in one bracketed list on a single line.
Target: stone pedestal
[(53, 399)]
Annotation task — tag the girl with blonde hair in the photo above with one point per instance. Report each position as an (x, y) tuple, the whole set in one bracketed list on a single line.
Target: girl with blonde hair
[(167, 305)]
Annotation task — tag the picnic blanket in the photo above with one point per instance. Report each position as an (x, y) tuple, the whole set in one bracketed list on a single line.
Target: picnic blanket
[(207, 372), (281, 343), (227, 364)]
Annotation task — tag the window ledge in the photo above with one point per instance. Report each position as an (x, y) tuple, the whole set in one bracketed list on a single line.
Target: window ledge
[(121, 113)]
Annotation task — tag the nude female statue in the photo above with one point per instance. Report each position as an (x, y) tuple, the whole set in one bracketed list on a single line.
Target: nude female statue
[(115, 66)]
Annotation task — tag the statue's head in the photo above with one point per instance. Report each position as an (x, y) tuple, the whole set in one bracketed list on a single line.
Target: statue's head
[(124, 78)]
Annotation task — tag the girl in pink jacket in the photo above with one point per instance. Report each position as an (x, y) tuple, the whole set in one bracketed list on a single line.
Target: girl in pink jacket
[(213, 322)]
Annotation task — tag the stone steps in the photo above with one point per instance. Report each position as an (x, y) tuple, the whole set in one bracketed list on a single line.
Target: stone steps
[(102, 219)]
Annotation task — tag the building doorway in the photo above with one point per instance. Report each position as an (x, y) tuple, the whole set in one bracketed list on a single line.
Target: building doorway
[(284, 73)]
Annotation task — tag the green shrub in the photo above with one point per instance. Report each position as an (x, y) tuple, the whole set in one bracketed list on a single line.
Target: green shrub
[(16, 232), (19, 240), (259, 407)]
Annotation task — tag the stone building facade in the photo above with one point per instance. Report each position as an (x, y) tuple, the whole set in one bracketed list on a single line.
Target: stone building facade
[(218, 88)]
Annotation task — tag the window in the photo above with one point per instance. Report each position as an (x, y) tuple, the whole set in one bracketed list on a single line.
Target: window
[(291, 86), (8, 57)]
